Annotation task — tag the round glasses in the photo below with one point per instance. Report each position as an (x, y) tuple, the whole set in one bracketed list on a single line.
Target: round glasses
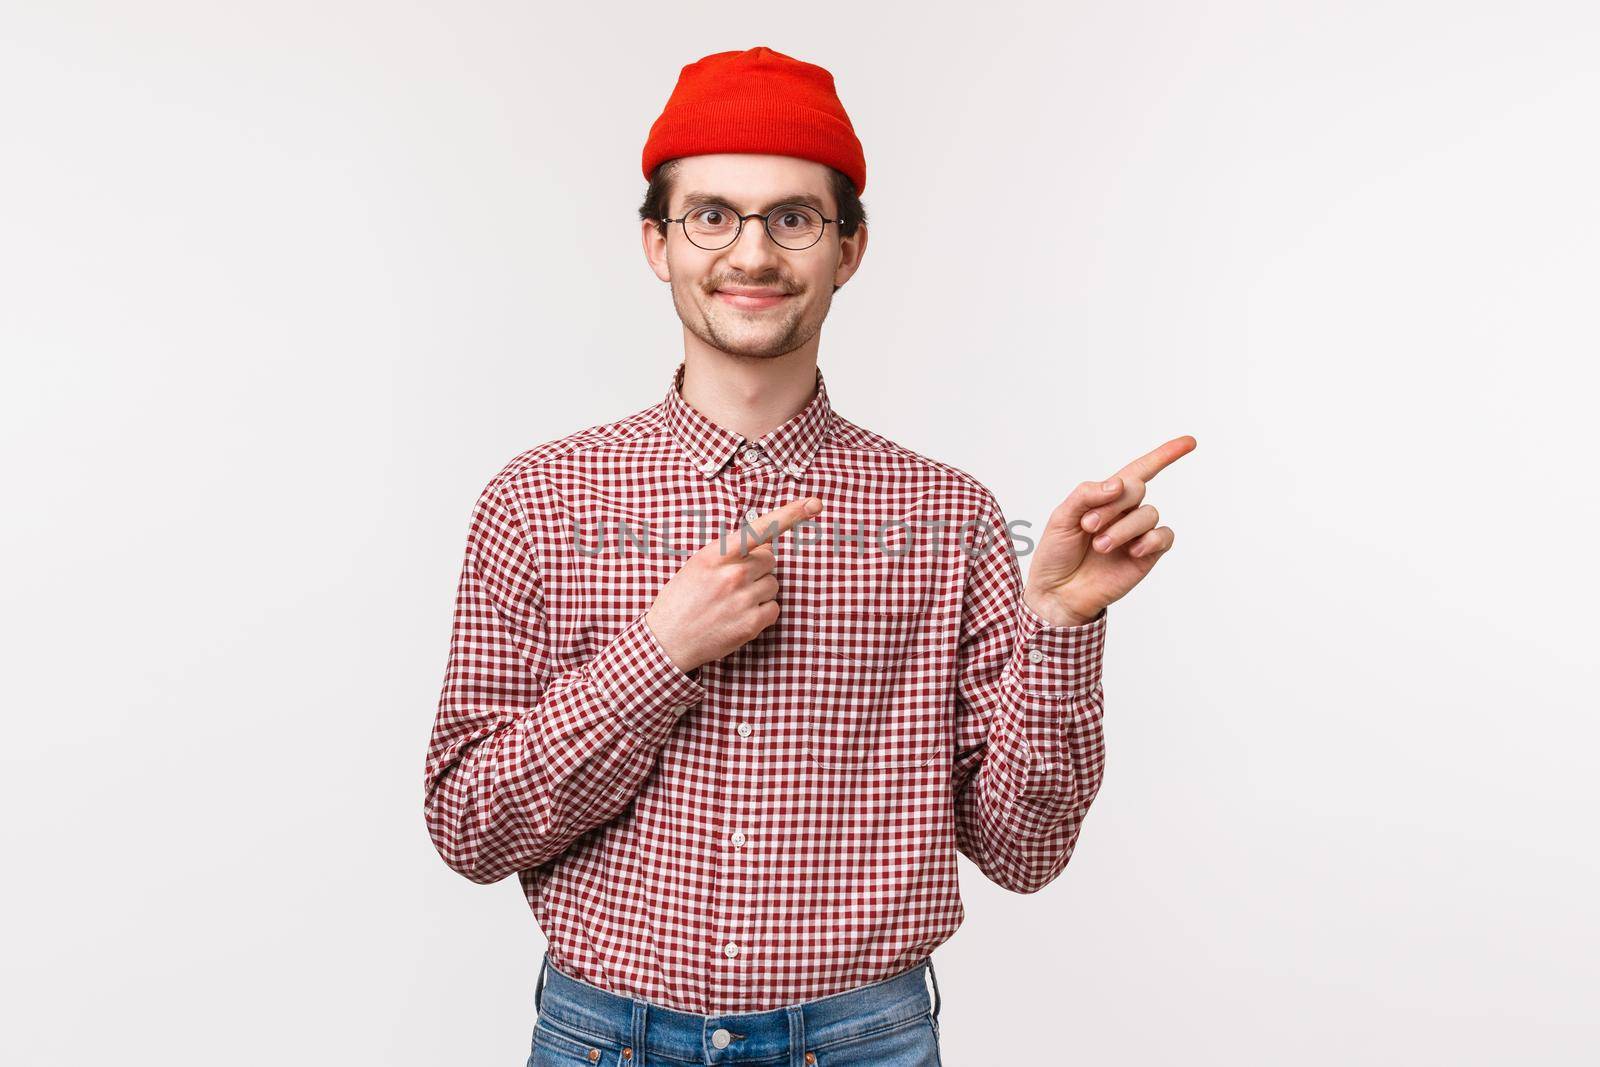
[(792, 226)]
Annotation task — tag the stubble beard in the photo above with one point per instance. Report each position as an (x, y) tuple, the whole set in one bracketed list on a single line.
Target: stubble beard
[(759, 334)]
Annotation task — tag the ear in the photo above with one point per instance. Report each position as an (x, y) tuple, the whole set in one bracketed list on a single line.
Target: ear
[(655, 249), (851, 249)]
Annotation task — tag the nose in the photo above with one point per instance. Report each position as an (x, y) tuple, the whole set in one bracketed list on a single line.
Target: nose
[(754, 253)]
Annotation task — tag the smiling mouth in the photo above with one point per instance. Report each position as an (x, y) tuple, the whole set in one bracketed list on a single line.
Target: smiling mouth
[(753, 303)]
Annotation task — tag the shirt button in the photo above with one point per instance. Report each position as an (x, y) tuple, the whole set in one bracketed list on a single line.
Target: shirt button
[(744, 729), (1035, 656), (730, 950), (738, 837), (751, 516), (720, 1037)]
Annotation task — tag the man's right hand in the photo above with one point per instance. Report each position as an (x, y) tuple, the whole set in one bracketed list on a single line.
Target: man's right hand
[(723, 596)]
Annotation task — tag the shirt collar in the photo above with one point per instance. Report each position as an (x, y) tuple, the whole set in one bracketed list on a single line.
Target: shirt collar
[(709, 446)]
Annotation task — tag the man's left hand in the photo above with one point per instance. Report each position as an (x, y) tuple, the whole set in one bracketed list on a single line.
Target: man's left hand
[(1100, 541)]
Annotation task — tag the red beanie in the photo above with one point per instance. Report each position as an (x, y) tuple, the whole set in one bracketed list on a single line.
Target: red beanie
[(757, 101)]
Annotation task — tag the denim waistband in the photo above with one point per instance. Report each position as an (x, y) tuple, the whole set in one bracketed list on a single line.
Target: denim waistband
[(779, 1037)]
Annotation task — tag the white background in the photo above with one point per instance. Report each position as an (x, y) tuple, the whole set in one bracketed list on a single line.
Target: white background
[(282, 285)]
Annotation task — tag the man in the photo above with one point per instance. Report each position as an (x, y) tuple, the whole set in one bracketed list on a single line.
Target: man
[(734, 678)]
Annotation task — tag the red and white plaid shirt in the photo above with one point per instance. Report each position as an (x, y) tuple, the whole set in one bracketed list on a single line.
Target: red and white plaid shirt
[(782, 823)]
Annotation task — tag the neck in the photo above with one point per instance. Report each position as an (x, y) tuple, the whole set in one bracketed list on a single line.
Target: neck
[(749, 395)]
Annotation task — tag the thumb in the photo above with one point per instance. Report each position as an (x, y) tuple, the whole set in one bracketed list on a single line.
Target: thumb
[(1085, 498)]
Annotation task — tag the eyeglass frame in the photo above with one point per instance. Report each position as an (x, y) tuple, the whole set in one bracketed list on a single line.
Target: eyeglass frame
[(766, 226)]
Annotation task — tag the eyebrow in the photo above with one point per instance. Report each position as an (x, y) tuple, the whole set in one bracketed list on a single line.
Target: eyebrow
[(697, 199)]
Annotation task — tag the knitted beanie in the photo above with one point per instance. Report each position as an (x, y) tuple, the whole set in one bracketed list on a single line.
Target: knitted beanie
[(757, 101)]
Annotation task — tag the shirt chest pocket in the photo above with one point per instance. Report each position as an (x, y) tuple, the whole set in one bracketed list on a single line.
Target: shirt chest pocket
[(874, 695)]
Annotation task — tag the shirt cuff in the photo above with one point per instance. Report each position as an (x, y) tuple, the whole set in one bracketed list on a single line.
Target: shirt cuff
[(1058, 661), (635, 674)]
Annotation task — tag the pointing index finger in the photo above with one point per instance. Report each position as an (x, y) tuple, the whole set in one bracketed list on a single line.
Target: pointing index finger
[(770, 526), (1153, 462)]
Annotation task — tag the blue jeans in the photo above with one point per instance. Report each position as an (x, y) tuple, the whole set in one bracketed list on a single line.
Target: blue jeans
[(892, 1023)]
